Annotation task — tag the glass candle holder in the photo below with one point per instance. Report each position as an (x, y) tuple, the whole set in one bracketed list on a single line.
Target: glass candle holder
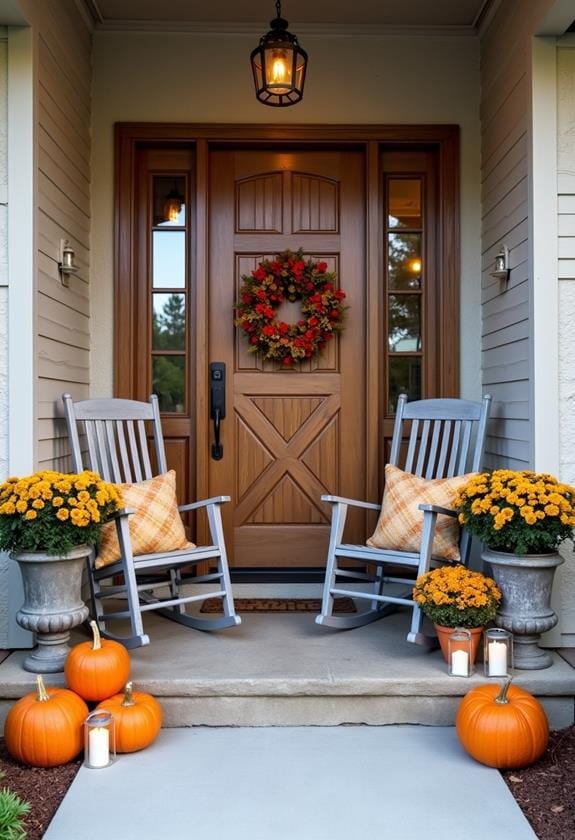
[(99, 739), (497, 652), (460, 653)]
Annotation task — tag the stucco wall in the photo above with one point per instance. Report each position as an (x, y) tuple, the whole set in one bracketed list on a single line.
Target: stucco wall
[(186, 77)]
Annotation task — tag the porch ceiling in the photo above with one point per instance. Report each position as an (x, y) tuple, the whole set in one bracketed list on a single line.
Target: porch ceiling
[(441, 13)]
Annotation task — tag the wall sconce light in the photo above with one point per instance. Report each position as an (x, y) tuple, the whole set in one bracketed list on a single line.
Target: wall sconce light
[(501, 268), (66, 264), (279, 65)]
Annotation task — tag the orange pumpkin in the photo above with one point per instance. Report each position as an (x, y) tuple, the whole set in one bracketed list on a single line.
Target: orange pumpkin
[(45, 728), (502, 727), (137, 717), (97, 669)]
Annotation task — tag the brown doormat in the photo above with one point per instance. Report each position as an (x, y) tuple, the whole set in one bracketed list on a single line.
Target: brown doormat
[(267, 605)]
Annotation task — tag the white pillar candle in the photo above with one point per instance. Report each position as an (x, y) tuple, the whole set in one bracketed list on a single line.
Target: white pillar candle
[(497, 659), (460, 663), (99, 746)]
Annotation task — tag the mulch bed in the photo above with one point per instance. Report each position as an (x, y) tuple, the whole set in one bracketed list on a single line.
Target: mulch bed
[(268, 605), (43, 788), (545, 792)]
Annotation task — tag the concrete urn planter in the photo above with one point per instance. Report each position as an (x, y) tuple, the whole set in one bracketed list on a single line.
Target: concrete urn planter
[(525, 582), (52, 604)]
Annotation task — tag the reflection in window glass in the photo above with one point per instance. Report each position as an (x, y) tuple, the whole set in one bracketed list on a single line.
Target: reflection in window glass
[(404, 202), (404, 323), (169, 322), (404, 261), (404, 378), (169, 201), (168, 378), (169, 259)]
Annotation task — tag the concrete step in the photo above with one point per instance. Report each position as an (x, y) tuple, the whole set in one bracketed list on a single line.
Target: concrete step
[(281, 669)]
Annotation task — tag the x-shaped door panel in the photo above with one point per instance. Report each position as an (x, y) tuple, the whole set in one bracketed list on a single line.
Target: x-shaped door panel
[(307, 461)]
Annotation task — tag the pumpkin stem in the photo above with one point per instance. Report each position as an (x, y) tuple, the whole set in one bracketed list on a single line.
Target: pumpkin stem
[(42, 693), (128, 696), (97, 643), (502, 696)]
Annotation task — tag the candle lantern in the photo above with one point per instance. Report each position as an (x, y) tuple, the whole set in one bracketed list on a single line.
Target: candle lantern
[(460, 653), (99, 739), (497, 652)]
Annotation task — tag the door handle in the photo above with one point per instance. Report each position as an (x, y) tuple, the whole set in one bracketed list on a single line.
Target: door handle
[(217, 405)]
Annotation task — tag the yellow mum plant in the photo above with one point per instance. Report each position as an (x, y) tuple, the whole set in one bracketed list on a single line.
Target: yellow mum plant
[(518, 512), (454, 596), (53, 511)]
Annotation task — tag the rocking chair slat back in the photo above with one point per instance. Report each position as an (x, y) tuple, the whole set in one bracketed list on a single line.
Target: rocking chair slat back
[(121, 436), (454, 449), (113, 437), (445, 439), (440, 442), (112, 449), (440, 438), (116, 437)]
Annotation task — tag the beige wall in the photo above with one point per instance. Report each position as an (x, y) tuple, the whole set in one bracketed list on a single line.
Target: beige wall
[(186, 77)]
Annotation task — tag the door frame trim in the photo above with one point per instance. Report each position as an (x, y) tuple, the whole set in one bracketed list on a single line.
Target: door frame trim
[(443, 138)]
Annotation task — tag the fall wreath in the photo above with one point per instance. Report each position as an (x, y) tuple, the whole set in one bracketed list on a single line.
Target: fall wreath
[(289, 277)]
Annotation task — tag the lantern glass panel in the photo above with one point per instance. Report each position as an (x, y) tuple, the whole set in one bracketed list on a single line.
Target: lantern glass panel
[(278, 63), (99, 739), (497, 652), (460, 653)]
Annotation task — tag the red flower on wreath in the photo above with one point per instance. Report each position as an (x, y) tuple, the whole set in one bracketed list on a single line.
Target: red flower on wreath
[(289, 277)]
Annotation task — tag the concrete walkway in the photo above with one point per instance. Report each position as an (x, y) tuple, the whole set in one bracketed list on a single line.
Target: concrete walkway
[(324, 783)]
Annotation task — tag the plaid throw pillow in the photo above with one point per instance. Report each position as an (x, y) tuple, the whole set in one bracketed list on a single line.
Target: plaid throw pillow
[(156, 525), (400, 523)]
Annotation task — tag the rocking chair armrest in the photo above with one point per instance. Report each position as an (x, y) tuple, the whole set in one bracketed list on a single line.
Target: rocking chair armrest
[(334, 500), (437, 509), (122, 512), (215, 500)]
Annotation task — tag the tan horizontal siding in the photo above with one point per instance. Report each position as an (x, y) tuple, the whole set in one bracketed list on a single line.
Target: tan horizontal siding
[(64, 148), (566, 269), (50, 285), (505, 306), (517, 331), (59, 322), (60, 361), (50, 396)]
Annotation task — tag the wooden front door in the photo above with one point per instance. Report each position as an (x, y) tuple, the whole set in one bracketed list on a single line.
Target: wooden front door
[(288, 435), (197, 208)]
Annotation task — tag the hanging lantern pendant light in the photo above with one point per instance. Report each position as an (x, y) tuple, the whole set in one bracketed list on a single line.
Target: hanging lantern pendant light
[(173, 204), (279, 65)]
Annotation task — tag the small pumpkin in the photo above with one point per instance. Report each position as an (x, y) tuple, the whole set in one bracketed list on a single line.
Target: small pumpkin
[(45, 728), (137, 717), (502, 726), (97, 669)]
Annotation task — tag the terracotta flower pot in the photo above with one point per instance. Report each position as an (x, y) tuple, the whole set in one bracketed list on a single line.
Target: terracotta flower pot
[(443, 634)]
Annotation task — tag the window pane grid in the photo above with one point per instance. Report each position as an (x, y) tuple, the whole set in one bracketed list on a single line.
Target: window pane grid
[(168, 296), (405, 286)]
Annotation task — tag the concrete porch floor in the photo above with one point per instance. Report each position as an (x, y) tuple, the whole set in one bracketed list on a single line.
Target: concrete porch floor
[(281, 669)]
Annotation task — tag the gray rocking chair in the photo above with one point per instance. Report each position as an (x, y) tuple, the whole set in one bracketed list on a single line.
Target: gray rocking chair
[(116, 438), (441, 445)]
